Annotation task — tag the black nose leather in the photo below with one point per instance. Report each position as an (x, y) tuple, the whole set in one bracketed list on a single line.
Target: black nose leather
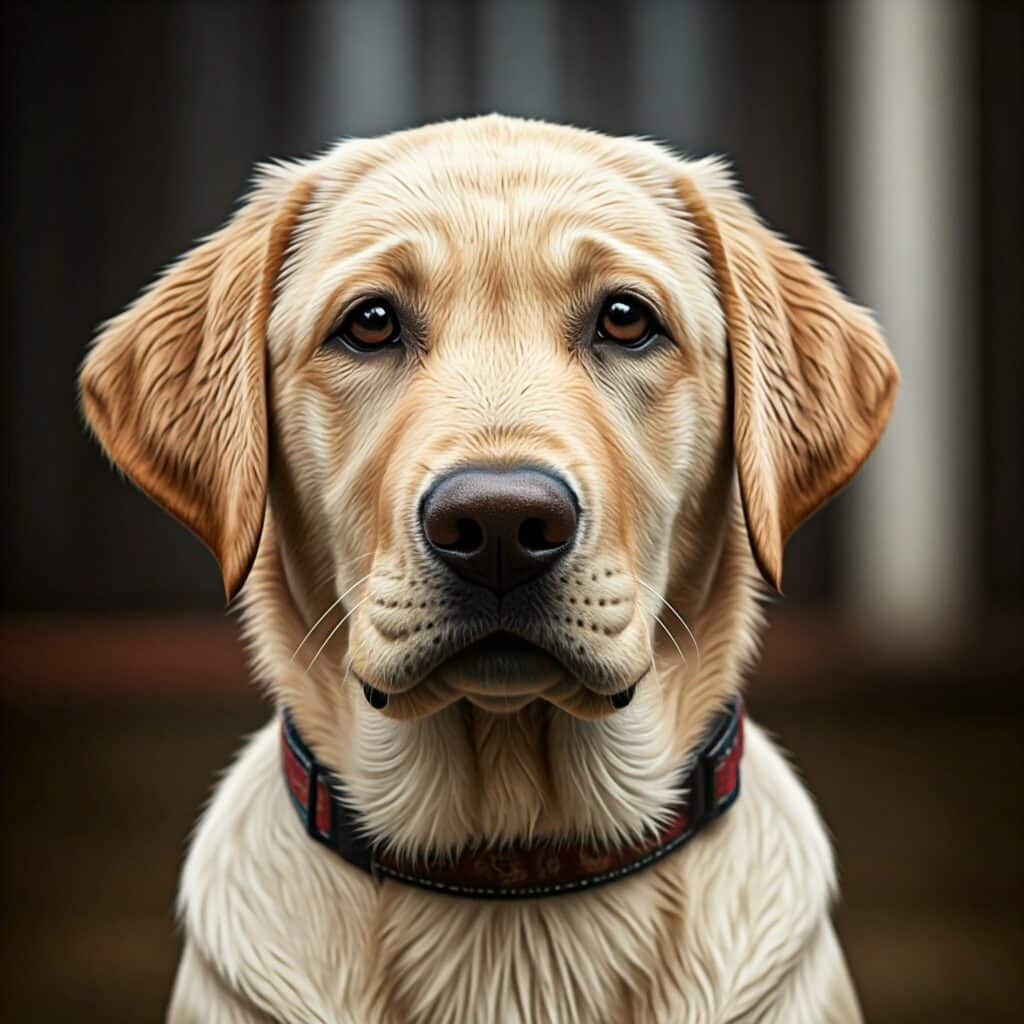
[(499, 528)]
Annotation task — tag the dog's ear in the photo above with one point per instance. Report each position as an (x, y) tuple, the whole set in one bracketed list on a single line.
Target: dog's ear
[(175, 387), (813, 382)]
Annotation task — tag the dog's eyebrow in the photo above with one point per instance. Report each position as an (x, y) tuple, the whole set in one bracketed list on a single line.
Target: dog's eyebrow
[(583, 253), (393, 264), (588, 255)]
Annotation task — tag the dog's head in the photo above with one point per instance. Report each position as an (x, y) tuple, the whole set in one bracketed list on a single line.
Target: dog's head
[(495, 379)]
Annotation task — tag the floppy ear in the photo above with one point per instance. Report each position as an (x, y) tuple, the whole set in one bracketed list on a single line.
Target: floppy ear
[(813, 382), (174, 388)]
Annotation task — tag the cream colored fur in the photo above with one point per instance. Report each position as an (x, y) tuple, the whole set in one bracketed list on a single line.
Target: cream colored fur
[(693, 464)]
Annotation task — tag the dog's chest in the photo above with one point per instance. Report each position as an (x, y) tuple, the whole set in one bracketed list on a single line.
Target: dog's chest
[(292, 930), (596, 957), (307, 937)]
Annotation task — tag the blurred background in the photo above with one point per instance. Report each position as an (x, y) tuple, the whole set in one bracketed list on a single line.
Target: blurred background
[(882, 136)]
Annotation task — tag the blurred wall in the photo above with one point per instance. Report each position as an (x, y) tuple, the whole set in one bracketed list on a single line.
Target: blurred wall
[(132, 129)]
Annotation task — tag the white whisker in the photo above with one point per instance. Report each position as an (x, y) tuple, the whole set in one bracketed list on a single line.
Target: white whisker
[(350, 659), (672, 609), (330, 635), (312, 629), (675, 643)]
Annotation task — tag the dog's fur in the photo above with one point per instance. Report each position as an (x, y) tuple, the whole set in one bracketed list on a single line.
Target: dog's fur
[(302, 465)]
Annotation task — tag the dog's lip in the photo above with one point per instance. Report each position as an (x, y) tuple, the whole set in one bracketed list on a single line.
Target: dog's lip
[(487, 679), (502, 663), (623, 698), (503, 639), (498, 643), (379, 699), (502, 643)]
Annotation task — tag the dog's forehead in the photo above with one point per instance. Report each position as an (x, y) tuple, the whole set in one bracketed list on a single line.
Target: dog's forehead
[(480, 185), (490, 214)]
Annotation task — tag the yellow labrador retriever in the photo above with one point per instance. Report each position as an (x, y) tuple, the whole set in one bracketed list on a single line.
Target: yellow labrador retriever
[(501, 424)]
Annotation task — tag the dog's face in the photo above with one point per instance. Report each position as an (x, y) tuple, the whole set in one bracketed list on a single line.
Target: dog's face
[(493, 396), (494, 379)]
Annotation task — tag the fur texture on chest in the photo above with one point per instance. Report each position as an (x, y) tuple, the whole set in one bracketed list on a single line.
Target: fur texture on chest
[(297, 934)]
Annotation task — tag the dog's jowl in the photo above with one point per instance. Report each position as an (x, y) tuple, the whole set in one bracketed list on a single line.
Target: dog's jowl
[(497, 429)]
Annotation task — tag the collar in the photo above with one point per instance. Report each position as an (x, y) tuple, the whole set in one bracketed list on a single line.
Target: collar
[(710, 783)]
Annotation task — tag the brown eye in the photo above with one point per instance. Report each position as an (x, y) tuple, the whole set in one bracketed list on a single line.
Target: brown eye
[(371, 325), (626, 321)]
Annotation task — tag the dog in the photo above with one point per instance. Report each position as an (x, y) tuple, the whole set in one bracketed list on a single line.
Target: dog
[(504, 426)]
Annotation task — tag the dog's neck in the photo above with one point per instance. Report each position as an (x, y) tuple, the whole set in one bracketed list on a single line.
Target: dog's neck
[(466, 775)]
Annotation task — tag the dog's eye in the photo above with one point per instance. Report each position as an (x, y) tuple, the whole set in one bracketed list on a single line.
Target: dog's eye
[(371, 325), (626, 321)]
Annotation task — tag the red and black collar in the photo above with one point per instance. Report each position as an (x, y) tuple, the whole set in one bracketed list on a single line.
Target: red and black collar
[(711, 784)]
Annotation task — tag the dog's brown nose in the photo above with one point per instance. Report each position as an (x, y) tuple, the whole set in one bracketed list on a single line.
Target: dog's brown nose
[(499, 528)]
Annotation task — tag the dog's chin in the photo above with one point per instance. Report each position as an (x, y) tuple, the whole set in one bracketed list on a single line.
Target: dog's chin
[(501, 673)]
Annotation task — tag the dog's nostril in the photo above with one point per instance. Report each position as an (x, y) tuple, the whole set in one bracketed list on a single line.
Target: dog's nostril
[(540, 535), (467, 537), (460, 535)]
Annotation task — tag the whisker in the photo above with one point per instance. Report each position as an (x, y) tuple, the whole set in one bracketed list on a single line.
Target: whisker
[(350, 660), (312, 629), (668, 632), (330, 635), (673, 610)]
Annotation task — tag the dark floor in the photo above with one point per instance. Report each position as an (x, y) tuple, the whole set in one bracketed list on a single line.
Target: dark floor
[(99, 800)]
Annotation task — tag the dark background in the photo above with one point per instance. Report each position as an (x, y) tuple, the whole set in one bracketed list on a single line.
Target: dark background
[(131, 128)]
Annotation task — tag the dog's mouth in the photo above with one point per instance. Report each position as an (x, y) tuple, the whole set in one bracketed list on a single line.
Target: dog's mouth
[(502, 662), (502, 672)]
